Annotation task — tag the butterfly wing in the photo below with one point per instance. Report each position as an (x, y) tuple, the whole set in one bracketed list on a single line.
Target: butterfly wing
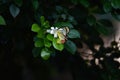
[(62, 32), (61, 35)]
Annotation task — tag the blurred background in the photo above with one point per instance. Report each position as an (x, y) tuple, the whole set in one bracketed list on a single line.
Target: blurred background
[(98, 49)]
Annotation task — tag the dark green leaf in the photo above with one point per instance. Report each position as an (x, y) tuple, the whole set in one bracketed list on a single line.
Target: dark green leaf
[(35, 27), (57, 46), (36, 52), (115, 4), (85, 3), (101, 29), (106, 23), (40, 34), (2, 21), (18, 2), (74, 1), (116, 15), (35, 4), (72, 20), (39, 43), (45, 54), (63, 24), (59, 9), (36, 39), (104, 27), (107, 6), (14, 10), (91, 20), (47, 43), (73, 34), (63, 16), (70, 46)]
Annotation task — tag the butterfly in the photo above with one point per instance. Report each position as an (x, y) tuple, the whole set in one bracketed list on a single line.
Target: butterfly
[(62, 34), (59, 33)]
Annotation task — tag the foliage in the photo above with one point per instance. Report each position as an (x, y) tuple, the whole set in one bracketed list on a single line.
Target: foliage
[(44, 41), (2, 21), (24, 25)]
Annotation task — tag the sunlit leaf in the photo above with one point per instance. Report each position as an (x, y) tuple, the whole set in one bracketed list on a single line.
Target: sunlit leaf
[(35, 27), (2, 21), (57, 46), (50, 37), (42, 20), (45, 54)]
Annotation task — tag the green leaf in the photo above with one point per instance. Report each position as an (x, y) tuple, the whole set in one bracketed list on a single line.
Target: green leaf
[(59, 9), (106, 23), (35, 27), (57, 46), (50, 37), (2, 21), (116, 15), (18, 2), (40, 34), (35, 4), (104, 27), (14, 10), (72, 20), (73, 34), (63, 16), (101, 29), (74, 1), (85, 3), (115, 4), (45, 54), (39, 43), (70, 46), (36, 38), (91, 20), (107, 6), (63, 24), (47, 43), (42, 20), (46, 24)]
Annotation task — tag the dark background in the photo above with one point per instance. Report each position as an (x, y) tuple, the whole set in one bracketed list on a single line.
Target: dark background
[(16, 40)]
